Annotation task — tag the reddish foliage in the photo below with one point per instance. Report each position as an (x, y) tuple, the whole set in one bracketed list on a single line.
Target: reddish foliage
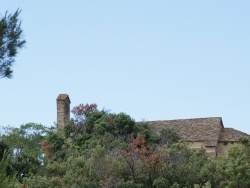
[(25, 185), (149, 158), (83, 110), (46, 147), (139, 150)]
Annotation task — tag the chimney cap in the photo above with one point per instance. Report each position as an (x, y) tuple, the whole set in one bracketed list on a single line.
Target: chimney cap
[(63, 97)]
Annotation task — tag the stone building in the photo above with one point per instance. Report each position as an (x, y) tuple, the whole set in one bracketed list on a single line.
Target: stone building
[(207, 133)]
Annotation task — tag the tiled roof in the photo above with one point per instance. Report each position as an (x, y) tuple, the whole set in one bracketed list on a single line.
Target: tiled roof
[(230, 134), (200, 129)]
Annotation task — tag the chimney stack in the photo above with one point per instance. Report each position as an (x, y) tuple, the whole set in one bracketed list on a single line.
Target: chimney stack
[(63, 112)]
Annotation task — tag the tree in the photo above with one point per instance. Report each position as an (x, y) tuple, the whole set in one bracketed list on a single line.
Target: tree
[(5, 180), (24, 144), (234, 169), (10, 41), (140, 156), (184, 167), (168, 137)]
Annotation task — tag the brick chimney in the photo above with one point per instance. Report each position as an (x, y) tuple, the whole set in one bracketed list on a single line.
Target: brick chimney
[(63, 111)]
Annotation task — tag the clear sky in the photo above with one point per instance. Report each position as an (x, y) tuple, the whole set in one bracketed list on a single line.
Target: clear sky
[(154, 60)]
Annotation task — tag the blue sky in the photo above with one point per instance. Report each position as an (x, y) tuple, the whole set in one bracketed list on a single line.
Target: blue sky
[(154, 60)]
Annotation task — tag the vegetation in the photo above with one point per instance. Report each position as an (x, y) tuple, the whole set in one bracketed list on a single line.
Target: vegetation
[(10, 42), (107, 150)]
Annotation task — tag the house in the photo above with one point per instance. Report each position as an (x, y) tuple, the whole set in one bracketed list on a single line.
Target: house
[(208, 133)]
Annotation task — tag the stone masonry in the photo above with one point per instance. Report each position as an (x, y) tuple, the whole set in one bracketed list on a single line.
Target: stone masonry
[(63, 111), (208, 133)]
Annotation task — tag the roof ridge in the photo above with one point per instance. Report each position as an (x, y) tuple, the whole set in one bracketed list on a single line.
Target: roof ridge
[(187, 119), (234, 130)]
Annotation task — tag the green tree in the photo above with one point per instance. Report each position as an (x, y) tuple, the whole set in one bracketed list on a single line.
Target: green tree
[(25, 147), (234, 169), (10, 42), (5, 180), (183, 166), (4, 149), (168, 137)]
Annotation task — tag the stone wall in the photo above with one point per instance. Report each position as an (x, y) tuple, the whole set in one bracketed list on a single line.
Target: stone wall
[(212, 151), (63, 111), (224, 146), (197, 145)]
